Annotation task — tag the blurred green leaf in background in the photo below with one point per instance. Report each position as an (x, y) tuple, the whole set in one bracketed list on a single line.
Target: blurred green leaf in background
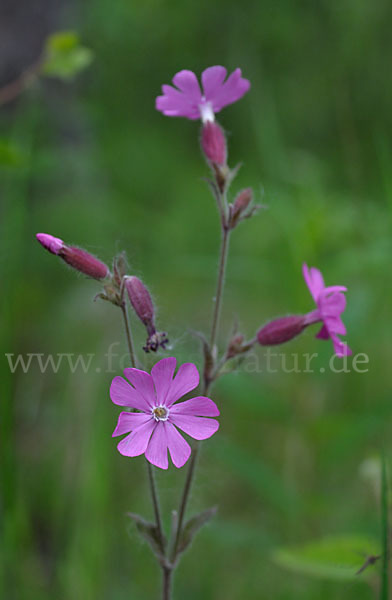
[(335, 557), (65, 57)]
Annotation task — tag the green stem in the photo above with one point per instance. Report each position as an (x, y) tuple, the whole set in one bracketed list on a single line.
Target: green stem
[(155, 503), (185, 496), (166, 583), (384, 592), (187, 486), (220, 285), (128, 334)]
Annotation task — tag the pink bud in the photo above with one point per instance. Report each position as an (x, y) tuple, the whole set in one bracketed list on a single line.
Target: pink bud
[(235, 345), (75, 257), (213, 143), (240, 205), (140, 299), (49, 242), (281, 330), (84, 262)]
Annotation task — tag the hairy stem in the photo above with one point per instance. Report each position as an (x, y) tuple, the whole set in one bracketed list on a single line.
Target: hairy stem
[(128, 334), (220, 285)]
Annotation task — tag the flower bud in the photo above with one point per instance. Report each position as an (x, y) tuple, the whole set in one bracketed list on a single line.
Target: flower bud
[(84, 262), (213, 143), (79, 259), (119, 268), (240, 205), (281, 330), (235, 345), (140, 298), (238, 345)]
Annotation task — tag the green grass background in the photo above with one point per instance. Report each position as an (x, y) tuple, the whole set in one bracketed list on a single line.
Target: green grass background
[(102, 169)]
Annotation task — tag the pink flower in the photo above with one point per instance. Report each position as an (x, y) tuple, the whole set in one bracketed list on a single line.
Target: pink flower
[(188, 100), (153, 429), (331, 303)]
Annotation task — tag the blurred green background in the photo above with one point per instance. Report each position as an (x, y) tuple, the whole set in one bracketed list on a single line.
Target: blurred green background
[(92, 162)]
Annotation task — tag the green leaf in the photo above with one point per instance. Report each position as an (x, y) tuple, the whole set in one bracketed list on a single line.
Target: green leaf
[(149, 532), (64, 56), (192, 526), (333, 557)]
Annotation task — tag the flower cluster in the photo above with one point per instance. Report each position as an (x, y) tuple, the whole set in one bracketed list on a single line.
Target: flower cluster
[(158, 411), (153, 425)]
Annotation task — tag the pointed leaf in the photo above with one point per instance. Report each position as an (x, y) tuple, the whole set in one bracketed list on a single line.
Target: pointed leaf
[(192, 526), (150, 532)]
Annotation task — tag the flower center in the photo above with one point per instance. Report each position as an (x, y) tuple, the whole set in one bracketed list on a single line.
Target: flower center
[(206, 111), (160, 413)]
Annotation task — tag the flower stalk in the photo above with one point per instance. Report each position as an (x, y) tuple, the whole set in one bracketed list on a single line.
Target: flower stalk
[(224, 251), (151, 475), (207, 380), (128, 334)]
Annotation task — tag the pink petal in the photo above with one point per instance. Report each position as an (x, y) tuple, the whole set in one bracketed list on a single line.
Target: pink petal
[(156, 452), (128, 421), (175, 104), (212, 78), (197, 427), (186, 81), (231, 91), (314, 280), (125, 395), (187, 379), (199, 406), (334, 288), (162, 375), (143, 383), (341, 348), (335, 325), (323, 334), (136, 442), (179, 448), (332, 305)]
